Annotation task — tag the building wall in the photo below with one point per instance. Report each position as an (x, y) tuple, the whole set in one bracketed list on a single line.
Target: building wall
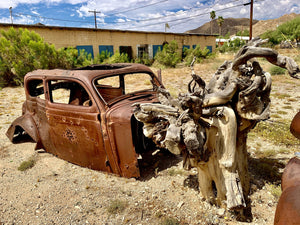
[(76, 37)]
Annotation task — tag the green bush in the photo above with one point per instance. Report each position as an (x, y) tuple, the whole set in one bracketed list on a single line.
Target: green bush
[(144, 60), (286, 31), (197, 52), (25, 165), (232, 46), (100, 58), (67, 58), (83, 59), (276, 70), (22, 51), (118, 58), (169, 55)]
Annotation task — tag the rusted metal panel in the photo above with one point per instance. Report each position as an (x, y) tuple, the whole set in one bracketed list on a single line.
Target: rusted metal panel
[(295, 126), (66, 114)]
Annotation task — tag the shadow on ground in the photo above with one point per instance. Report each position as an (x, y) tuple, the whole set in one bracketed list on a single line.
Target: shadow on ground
[(156, 161)]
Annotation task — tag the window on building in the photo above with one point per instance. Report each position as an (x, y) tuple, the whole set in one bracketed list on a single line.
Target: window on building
[(106, 48), (143, 51), (209, 48), (156, 48), (184, 48), (126, 50), (86, 48)]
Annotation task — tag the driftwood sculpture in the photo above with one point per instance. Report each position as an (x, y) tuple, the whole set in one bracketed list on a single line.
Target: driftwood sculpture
[(208, 125)]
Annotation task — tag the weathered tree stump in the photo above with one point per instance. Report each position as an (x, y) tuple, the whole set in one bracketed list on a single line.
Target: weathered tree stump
[(208, 125)]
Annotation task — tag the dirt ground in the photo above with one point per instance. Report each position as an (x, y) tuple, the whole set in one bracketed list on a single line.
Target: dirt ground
[(54, 191)]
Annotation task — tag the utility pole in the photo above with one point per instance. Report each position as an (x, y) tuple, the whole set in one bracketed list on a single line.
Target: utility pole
[(251, 18), (95, 15), (11, 18)]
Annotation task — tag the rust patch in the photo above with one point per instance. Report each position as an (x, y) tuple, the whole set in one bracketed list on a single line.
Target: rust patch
[(70, 135)]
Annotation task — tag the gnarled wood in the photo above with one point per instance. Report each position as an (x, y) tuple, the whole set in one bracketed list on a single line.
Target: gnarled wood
[(208, 125)]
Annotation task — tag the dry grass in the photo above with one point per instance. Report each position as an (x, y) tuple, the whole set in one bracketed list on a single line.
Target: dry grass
[(117, 206), (27, 164)]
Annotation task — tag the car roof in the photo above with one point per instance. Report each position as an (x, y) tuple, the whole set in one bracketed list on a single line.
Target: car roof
[(88, 73)]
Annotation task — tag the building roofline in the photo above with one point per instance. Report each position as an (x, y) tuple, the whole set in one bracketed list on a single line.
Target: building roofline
[(93, 29)]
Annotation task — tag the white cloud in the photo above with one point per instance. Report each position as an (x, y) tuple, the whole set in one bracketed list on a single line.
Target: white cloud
[(193, 13)]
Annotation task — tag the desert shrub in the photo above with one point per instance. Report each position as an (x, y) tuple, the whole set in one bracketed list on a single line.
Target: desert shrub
[(196, 52), (67, 57), (25, 165), (276, 70), (244, 33), (286, 31), (146, 60), (275, 190), (83, 59), (232, 46), (117, 206), (169, 221), (100, 58), (118, 58), (22, 51), (276, 132), (169, 55)]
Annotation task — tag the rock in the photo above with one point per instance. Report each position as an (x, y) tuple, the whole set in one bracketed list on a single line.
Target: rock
[(221, 212)]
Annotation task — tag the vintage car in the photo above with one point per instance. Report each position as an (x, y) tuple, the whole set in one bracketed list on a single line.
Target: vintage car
[(85, 115)]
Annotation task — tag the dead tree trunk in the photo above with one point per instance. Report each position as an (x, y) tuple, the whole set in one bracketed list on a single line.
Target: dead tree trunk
[(208, 126)]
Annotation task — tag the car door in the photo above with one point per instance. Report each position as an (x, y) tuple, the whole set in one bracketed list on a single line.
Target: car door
[(74, 125)]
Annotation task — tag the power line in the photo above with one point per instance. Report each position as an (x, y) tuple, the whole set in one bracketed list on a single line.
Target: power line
[(176, 14), (183, 19), (140, 7), (188, 18)]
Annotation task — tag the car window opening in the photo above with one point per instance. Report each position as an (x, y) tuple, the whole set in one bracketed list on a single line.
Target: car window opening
[(68, 92), (113, 87)]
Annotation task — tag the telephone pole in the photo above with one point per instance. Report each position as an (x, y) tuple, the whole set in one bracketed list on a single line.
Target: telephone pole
[(95, 15), (11, 18), (251, 18)]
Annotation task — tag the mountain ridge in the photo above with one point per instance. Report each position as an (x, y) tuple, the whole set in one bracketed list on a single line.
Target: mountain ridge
[(233, 25)]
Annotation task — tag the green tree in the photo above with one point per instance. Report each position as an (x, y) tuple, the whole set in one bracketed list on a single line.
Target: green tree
[(169, 56), (220, 22), (212, 17)]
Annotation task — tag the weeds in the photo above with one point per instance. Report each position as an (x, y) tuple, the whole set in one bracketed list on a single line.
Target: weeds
[(265, 153), (25, 165), (277, 132), (169, 221), (275, 190), (117, 206), (174, 172), (281, 112), (275, 70), (281, 96)]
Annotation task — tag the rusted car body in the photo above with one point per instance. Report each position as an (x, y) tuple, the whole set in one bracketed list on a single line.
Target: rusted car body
[(295, 125), (85, 116)]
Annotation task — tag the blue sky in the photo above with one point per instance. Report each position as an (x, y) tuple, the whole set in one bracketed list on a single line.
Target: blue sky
[(143, 15)]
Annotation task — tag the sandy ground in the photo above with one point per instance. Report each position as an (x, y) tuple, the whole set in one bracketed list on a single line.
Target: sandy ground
[(57, 192)]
